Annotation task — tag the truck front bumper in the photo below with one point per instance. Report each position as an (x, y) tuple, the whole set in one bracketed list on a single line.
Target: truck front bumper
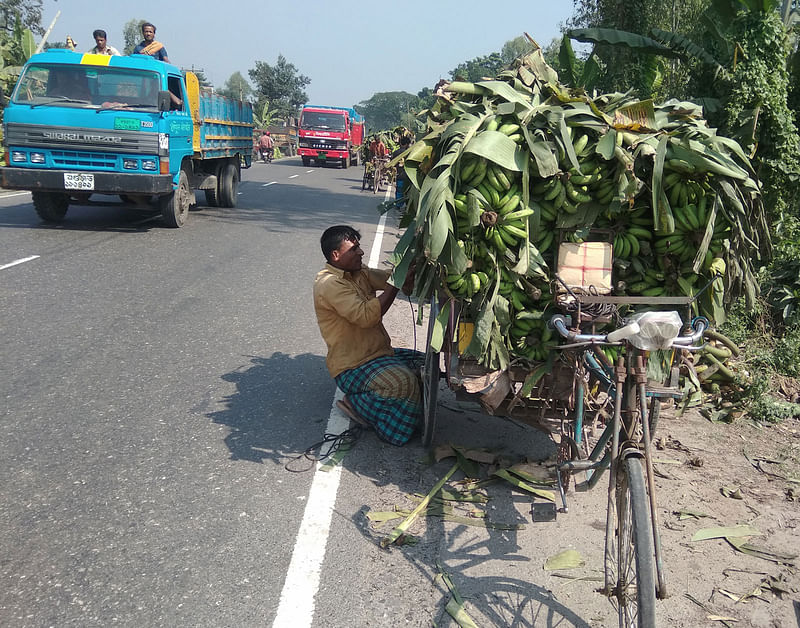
[(35, 179), (322, 154)]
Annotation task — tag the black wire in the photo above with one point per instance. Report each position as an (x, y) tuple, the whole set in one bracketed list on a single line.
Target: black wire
[(336, 442), (413, 320)]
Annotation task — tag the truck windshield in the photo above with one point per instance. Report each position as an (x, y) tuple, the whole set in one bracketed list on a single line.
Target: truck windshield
[(333, 121), (87, 86)]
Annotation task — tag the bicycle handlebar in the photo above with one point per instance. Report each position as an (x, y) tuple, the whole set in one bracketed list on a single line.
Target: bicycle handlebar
[(559, 323)]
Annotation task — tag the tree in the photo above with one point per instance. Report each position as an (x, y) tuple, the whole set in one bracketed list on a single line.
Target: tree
[(132, 32), (29, 12), (514, 48), (236, 87), (202, 79), (386, 110), (279, 86), (478, 68)]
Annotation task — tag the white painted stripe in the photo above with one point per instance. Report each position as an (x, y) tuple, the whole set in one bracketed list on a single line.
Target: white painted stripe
[(296, 607), (16, 262), (294, 176), (14, 194), (270, 183), (310, 170)]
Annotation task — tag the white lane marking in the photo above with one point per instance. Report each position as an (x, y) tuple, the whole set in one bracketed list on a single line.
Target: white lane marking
[(294, 176), (310, 170), (296, 607), (270, 183), (16, 262), (14, 194)]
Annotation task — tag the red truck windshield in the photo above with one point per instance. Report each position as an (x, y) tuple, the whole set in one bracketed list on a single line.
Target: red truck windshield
[(333, 121)]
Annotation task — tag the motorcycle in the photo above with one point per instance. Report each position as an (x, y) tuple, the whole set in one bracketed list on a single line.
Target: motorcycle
[(266, 154)]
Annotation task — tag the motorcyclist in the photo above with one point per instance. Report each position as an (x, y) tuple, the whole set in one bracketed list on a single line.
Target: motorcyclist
[(266, 144)]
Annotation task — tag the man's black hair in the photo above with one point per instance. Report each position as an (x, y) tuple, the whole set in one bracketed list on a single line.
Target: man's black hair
[(333, 237), (405, 140), (99, 33), (148, 24)]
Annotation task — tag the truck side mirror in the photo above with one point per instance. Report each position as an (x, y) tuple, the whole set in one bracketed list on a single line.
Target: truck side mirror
[(164, 102)]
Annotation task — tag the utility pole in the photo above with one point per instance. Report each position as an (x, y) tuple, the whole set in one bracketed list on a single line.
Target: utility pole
[(47, 32)]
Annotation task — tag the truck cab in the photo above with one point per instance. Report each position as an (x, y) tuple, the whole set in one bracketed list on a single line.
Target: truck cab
[(329, 134), (79, 124)]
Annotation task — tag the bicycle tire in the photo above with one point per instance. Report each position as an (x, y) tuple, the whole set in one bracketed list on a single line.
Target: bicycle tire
[(635, 591), (376, 179), (430, 382)]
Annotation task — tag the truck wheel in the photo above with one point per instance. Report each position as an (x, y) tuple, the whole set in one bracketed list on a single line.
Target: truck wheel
[(228, 186), (346, 162), (175, 206), (211, 198), (354, 160), (306, 161), (51, 206)]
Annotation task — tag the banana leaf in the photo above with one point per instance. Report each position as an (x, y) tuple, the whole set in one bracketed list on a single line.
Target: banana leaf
[(498, 148), (546, 160), (506, 92), (613, 37), (657, 188), (687, 49), (606, 144), (439, 327), (567, 62), (441, 228), (591, 72)]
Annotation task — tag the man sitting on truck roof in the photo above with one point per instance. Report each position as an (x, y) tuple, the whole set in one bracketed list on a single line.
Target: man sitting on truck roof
[(381, 384), (101, 44), (150, 46)]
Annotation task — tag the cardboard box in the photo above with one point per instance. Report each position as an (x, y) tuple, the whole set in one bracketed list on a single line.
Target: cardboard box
[(586, 265)]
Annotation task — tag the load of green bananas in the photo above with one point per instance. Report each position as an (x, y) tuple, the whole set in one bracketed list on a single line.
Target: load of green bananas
[(512, 167)]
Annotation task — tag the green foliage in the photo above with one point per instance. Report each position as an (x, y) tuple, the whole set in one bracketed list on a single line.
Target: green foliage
[(765, 407), (236, 87), (28, 12), (514, 48), (386, 110), (756, 107), (132, 33), (279, 86), (478, 68)]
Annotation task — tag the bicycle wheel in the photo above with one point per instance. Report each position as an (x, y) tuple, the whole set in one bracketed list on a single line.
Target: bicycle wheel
[(634, 595), (376, 179), (430, 382)]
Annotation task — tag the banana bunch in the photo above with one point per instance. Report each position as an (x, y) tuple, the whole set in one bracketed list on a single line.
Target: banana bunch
[(530, 337), (714, 363), (468, 284), (611, 352)]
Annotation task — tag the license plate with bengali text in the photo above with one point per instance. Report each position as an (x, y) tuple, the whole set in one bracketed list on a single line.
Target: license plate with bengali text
[(78, 181)]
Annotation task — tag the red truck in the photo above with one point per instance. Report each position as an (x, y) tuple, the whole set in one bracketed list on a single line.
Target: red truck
[(330, 134)]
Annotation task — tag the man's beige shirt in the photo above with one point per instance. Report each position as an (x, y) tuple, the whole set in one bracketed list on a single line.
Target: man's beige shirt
[(349, 316)]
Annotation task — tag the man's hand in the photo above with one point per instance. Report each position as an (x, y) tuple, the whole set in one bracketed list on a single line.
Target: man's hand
[(408, 284)]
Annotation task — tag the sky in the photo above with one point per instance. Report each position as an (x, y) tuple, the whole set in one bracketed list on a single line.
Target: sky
[(350, 50)]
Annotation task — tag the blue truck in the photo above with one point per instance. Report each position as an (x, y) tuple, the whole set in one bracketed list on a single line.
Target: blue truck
[(83, 124)]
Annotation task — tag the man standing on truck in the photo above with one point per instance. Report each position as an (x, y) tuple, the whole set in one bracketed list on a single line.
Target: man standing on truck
[(101, 44), (150, 46), (381, 384)]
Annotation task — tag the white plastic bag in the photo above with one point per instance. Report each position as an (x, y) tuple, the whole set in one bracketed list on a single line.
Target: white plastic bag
[(657, 330)]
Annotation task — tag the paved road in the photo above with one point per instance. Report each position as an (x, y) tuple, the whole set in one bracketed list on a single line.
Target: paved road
[(155, 383)]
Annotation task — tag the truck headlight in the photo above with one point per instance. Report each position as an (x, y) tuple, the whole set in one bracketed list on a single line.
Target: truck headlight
[(19, 156), (37, 158), (149, 164), (130, 164)]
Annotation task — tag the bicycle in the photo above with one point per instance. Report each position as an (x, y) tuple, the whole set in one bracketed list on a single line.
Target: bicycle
[(633, 570)]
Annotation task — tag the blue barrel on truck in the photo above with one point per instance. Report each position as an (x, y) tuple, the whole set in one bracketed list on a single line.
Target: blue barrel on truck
[(83, 124)]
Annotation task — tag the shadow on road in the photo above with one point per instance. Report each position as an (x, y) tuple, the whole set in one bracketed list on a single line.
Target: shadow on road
[(279, 404)]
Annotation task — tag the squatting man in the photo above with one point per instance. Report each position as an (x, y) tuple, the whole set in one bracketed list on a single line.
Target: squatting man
[(381, 384)]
